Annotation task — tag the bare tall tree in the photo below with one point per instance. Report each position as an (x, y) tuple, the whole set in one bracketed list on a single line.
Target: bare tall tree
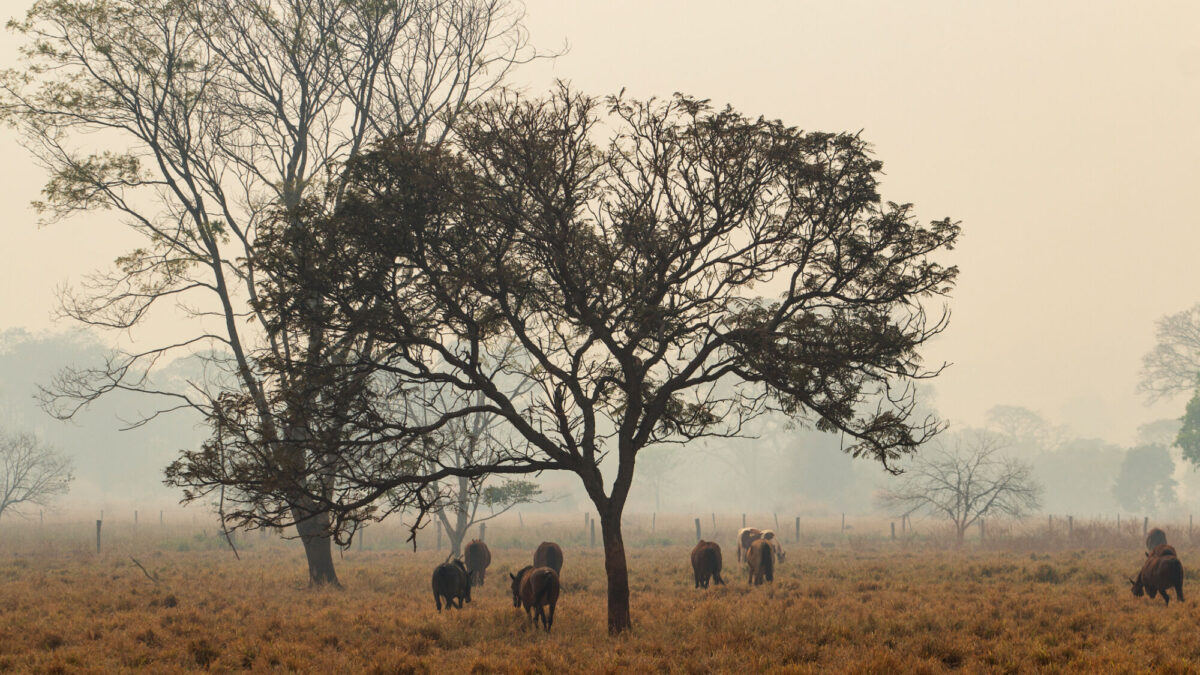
[(1173, 366), (194, 121), (629, 275), (964, 479), (31, 474)]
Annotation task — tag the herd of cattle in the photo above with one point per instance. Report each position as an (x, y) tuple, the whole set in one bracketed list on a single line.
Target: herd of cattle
[(535, 588)]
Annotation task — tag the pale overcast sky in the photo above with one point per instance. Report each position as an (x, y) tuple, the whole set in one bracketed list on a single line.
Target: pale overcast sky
[(1065, 137)]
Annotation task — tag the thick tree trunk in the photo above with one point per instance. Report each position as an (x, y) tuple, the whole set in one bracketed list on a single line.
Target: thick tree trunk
[(617, 570), (318, 548)]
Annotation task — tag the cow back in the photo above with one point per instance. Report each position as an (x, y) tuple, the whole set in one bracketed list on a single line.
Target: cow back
[(478, 558), (761, 558), (549, 554), (1155, 538)]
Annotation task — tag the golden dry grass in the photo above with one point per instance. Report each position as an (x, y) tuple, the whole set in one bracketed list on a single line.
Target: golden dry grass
[(855, 606)]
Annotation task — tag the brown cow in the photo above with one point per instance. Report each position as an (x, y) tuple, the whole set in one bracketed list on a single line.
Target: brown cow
[(1155, 538), (1161, 571), (761, 560), (478, 558), (706, 563), (548, 554), (535, 588)]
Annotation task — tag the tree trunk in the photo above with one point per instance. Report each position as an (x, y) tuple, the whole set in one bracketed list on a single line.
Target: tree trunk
[(318, 548), (456, 540), (617, 571), (961, 531)]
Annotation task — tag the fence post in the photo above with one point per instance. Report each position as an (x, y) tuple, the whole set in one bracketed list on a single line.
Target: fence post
[(714, 519), (1189, 526), (698, 537), (439, 534), (1070, 526), (743, 520), (1145, 525), (1050, 523), (520, 519), (776, 515), (593, 540), (98, 535), (893, 530), (653, 517), (361, 532), (797, 529), (483, 532), (982, 529), (843, 522), (160, 517)]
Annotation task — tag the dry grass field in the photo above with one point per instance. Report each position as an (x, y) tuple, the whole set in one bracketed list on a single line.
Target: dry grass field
[(842, 604)]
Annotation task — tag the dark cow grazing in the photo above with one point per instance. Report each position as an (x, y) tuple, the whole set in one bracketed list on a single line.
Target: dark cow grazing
[(548, 554), (536, 588), (478, 558), (706, 563), (1161, 571), (450, 581), (761, 560), (1155, 538)]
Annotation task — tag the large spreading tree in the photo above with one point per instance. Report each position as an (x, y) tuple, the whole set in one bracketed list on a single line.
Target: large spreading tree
[(696, 270), (196, 122)]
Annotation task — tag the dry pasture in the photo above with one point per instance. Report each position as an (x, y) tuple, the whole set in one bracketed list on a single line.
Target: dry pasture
[(856, 606)]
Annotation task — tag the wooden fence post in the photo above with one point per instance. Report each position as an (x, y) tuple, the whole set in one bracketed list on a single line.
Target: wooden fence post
[(743, 520), (439, 535), (698, 537), (1070, 526), (593, 539), (982, 529), (797, 529), (1145, 525), (714, 519), (520, 519), (843, 522), (98, 535), (893, 530), (361, 532), (776, 521), (483, 532), (653, 517)]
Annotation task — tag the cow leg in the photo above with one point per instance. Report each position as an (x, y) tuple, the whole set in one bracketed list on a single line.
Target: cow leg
[(548, 625), (1179, 591), (438, 599)]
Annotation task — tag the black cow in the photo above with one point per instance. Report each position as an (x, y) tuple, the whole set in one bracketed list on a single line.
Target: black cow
[(450, 581)]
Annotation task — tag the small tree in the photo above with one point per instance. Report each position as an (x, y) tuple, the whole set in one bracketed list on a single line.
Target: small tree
[(31, 474), (964, 479), (475, 441)]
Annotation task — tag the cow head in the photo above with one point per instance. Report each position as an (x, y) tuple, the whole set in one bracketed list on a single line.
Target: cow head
[(1137, 587), (516, 588)]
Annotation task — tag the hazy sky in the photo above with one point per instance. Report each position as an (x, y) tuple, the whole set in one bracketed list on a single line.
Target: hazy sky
[(1064, 136)]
